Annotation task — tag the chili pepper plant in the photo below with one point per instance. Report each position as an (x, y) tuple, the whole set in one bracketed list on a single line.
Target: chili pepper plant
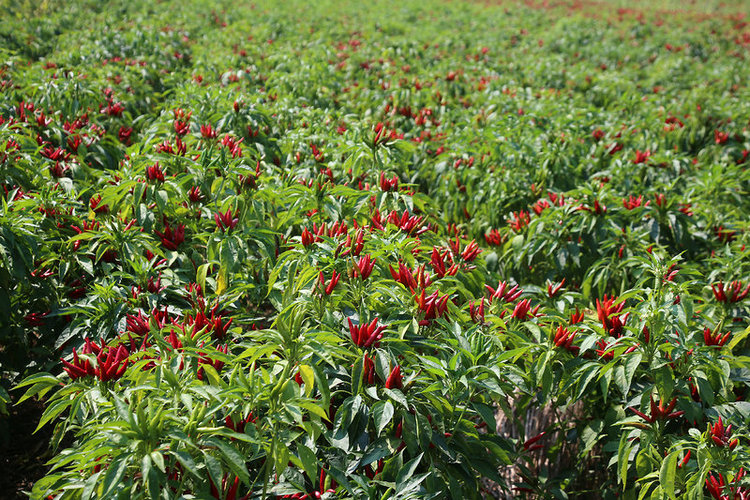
[(378, 250)]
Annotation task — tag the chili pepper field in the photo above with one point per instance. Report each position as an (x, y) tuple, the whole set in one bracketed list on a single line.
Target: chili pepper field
[(373, 250)]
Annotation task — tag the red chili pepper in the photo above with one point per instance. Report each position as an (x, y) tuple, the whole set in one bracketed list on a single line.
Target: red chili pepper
[(471, 251), (477, 312), (368, 368), (564, 338), (328, 288), (659, 411), (503, 293), (226, 221), (685, 459), (609, 314), (522, 311), (394, 381), (715, 338), (721, 435), (365, 335), (364, 266), (529, 444)]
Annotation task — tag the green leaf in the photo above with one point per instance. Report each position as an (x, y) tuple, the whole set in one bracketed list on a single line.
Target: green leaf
[(377, 451), (587, 373), (200, 277), (645, 489), (424, 430), (308, 459), (213, 465), (397, 396), (308, 377), (153, 483), (737, 338), (114, 474), (667, 474), (89, 486), (591, 435), (664, 379), (341, 478), (406, 488), (382, 414), (146, 470), (657, 494), (187, 462), (705, 391), (487, 414), (158, 459), (314, 408), (39, 378), (631, 365), (623, 457), (233, 458), (41, 383), (322, 382), (222, 279), (53, 411), (407, 471), (212, 376)]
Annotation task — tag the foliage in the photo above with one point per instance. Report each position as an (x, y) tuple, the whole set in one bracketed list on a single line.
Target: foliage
[(254, 251)]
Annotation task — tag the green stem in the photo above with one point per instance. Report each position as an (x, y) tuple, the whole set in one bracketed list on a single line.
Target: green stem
[(268, 464)]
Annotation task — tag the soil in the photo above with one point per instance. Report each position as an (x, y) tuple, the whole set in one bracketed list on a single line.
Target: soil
[(23, 455)]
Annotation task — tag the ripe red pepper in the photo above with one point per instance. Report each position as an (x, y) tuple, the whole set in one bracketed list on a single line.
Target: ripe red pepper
[(328, 287), (553, 290), (609, 314), (715, 339), (732, 294), (659, 411), (111, 362), (564, 338), (365, 335), (721, 435), (530, 444), (226, 221), (503, 293), (394, 380), (364, 266)]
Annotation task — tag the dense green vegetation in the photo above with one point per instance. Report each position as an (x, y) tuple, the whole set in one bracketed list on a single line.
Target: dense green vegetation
[(380, 250)]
